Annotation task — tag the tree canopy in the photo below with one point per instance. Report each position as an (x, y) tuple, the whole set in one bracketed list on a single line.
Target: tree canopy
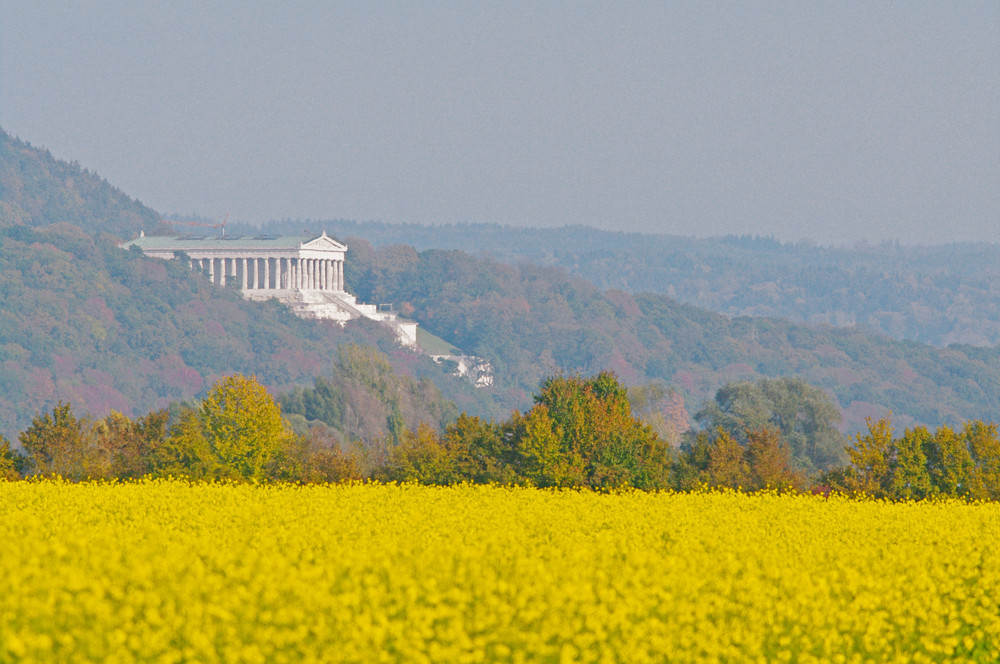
[(804, 415)]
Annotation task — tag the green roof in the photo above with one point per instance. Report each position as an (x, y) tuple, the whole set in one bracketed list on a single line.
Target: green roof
[(182, 243)]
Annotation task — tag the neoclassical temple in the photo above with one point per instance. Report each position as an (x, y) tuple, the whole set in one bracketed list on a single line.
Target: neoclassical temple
[(305, 272), (263, 262)]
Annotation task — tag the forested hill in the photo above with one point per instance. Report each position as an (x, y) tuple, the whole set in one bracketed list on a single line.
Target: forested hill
[(531, 320), (84, 321), (935, 294), (36, 189)]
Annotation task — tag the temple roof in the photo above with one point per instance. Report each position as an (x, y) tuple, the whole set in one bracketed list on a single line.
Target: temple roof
[(201, 242)]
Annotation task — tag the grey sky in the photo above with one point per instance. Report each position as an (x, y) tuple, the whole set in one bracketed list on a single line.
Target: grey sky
[(836, 121)]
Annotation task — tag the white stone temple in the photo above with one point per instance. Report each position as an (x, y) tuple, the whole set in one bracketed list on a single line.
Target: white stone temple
[(304, 272)]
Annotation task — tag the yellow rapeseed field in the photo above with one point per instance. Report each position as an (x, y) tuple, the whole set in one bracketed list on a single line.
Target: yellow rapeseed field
[(163, 571)]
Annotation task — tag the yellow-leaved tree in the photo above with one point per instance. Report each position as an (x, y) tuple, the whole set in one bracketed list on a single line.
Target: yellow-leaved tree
[(243, 426)]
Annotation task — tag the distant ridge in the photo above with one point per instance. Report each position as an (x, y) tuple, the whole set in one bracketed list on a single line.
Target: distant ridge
[(36, 189), (938, 294)]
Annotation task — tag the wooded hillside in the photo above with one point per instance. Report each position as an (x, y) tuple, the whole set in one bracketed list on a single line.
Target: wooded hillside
[(83, 321), (938, 295), (36, 189), (531, 320)]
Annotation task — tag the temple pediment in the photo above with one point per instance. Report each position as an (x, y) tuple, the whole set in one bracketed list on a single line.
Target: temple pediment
[(324, 243)]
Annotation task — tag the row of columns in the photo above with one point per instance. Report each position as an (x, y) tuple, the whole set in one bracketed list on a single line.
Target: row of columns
[(275, 273)]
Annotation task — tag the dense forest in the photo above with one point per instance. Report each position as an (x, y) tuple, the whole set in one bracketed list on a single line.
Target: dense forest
[(937, 295), (531, 320)]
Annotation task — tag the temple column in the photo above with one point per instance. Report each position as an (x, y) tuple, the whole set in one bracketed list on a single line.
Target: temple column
[(340, 276), (324, 280), (267, 273), (313, 277), (211, 270), (245, 264), (256, 284)]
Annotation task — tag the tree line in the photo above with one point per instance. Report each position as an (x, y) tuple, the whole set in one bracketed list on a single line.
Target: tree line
[(580, 432)]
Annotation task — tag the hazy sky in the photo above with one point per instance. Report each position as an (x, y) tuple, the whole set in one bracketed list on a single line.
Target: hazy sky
[(835, 121)]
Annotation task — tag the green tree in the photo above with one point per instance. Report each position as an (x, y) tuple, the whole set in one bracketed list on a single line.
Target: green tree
[(582, 433), (984, 445), (186, 451), (690, 470), (478, 451), (243, 426), (910, 478), (949, 463), (804, 415), (871, 458)]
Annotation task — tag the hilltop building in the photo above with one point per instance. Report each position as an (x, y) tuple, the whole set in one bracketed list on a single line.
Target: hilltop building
[(304, 272)]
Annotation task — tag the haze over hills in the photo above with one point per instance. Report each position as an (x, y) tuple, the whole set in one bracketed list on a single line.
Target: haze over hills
[(85, 321), (940, 295)]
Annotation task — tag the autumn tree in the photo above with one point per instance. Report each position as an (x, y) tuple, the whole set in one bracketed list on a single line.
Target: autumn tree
[(871, 459), (661, 408), (984, 446), (11, 462), (478, 450), (804, 416), (910, 477), (243, 426), (769, 461), (763, 462), (186, 451), (57, 443), (581, 432), (128, 445), (420, 456), (727, 462)]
